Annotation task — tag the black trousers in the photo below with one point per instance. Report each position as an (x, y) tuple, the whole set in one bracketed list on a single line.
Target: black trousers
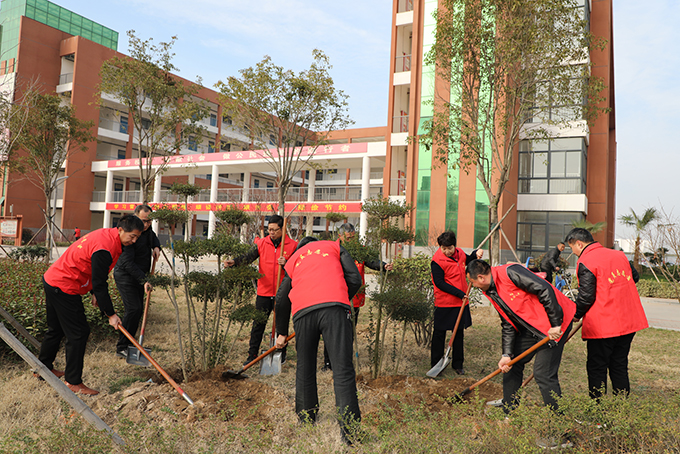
[(263, 304), (132, 293), (546, 367), (548, 275), (439, 345), (326, 358), (334, 324), (610, 354), (65, 318)]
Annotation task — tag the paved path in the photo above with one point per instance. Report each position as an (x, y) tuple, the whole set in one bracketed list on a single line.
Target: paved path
[(662, 313)]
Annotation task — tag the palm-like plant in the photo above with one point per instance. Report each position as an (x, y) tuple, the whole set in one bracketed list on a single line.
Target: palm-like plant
[(640, 223)]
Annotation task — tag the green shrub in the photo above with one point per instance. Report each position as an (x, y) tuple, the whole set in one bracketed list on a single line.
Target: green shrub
[(29, 253), (22, 295), (653, 289)]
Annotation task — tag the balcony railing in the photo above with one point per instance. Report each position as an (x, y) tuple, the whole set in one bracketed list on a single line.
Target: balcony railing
[(65, 78), (400, 124), (113, 125), (258, 195), (405, 5), (403, 64)]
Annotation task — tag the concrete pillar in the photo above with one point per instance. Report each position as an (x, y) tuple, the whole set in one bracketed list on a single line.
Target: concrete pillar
[(107, 198), (212, 219), (155, 225), (365, 193), (191, 179), (310, 199), (246, 186)]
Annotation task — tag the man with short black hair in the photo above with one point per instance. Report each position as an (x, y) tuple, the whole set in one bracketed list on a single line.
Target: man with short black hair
[(551, 261), (130, 274), (530, 309), (609, 303), (84, 267), (268, 250)]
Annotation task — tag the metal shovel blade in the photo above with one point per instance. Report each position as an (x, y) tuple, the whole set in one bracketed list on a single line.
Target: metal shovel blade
[(441, 365), (136, 358), (271, 365)]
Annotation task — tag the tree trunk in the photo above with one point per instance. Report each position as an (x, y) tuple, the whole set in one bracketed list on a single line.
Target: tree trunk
[(636, 254), (48, 225), (495, 240)]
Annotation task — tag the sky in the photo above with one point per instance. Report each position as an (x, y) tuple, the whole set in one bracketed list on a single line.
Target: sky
[(217, 38)]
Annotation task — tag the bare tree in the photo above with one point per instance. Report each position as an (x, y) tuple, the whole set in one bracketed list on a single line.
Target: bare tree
[(164, 112), (284, 114), (517, 70)]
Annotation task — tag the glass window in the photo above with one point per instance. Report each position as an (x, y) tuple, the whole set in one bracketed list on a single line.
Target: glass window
[(538, 236), (540, 164), (573, 165), (213, 120), (532, 216), (121, 154), (557, 159)]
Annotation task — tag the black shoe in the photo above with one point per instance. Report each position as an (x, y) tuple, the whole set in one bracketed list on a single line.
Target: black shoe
[(249, 360), (283, 356), (122, 354), (326, 367), (460, 371)]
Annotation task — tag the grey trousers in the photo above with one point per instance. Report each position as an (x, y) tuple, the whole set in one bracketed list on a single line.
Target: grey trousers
[(546, 367)]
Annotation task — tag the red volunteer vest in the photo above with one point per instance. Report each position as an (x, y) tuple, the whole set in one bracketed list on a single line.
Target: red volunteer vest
[(316, 276), (360, 298), (72, 272), (454, 274), (617, 309), (527, 306), (268, 263)]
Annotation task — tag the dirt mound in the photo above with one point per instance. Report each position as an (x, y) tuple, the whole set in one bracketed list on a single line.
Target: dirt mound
[(241, 402), (393, 392)]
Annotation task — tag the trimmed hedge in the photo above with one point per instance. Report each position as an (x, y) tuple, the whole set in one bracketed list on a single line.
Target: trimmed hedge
[(653, 289)]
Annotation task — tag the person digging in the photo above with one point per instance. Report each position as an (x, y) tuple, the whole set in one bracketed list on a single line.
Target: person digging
[(530, 309), (83, 268), (321, 279)]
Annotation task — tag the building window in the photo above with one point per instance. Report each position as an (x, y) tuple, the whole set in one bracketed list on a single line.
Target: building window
[(539, 231), (193, 145), (146, 123), (225, 146), (256, 183), (270, 184), (227, 120), (556, 166), (211, 147), (123, 128), (272, 140), (117, 187), (121, 154), (213, 120)]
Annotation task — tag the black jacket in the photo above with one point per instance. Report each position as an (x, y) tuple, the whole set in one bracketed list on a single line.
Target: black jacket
[(551, 260), (135, 260)]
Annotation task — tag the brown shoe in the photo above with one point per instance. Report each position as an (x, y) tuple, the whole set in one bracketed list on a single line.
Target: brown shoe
[(57, 373), (82, 389)]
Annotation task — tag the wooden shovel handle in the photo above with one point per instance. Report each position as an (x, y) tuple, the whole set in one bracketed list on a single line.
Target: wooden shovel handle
[(528, 351), (262, 356), (154, 363), (278, 279), (460, 313), (146, 304)]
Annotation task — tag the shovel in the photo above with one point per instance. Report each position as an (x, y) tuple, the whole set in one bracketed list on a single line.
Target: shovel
[(528, 351), (240, 375), (155, 364), (446, 359), (272, 364), (133, 356)]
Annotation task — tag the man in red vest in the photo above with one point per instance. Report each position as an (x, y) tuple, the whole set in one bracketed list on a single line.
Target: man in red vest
[(609, 303), (448, 276), (530, 309), (321, 279), (84, 267), (268, 250), (346, 232)]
